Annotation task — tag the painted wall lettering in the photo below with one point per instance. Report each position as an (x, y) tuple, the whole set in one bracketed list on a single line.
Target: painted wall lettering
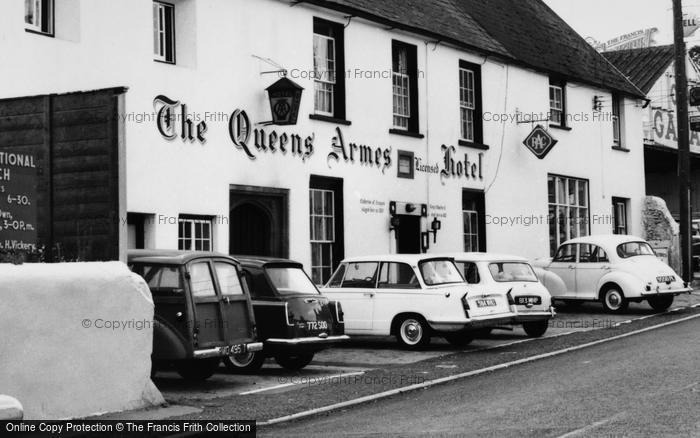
[(267, 141), (366, 155), (167, 117), (457, 168)]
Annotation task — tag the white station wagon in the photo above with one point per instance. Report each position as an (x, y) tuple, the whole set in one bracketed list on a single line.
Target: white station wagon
[(612, 269), (514, 276), (413, 297)]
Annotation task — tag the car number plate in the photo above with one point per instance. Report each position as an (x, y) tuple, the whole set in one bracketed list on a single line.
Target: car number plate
[(316, 325), (524, 301), (235, 349), (666, 279), (486, 303)]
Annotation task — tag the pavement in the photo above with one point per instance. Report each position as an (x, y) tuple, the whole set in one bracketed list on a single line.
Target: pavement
[(644, 385)]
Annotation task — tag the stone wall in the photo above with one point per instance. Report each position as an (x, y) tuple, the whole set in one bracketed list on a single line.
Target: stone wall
[(661, 230)]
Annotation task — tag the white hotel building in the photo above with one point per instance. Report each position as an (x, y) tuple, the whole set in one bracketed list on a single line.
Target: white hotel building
[(417, 113)]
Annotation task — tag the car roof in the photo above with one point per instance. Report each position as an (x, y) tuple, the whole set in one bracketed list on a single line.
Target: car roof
[(606, 239), (258, 261), (400, 258), (170, 256), (484, 257)]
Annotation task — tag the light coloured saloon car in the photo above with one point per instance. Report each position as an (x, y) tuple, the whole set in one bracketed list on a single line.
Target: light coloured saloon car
[(612, 269), (514, 276), (413, 297)]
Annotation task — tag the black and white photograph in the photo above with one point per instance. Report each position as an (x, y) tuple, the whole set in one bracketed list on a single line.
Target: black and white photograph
[(331, 218)]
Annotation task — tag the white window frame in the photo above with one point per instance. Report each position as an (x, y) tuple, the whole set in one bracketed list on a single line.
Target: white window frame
[(162, 31), (569, 206), (556, 104), (401, 92), (617, 121), (470, 234), (39, 23), (194, 243), (325, 80), (318, 243), (467, 103)]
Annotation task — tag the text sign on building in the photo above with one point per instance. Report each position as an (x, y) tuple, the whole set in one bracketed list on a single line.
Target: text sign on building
[(695, 123), (540, 142), (18, 178)]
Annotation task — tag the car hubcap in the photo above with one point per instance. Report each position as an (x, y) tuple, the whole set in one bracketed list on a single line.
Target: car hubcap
[(241, 360), (412, 331), (614, 299)]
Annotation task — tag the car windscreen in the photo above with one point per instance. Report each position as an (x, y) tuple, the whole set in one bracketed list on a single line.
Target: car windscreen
[(436, 272), (512, 271), (634, 249), (291, 281)]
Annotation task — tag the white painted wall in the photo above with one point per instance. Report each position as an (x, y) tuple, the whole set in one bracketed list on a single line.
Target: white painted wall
[(104, 44)]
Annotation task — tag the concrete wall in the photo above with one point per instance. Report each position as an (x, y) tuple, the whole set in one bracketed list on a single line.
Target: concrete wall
[(61, 354)]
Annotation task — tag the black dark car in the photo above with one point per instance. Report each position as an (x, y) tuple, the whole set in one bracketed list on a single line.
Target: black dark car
[(203, 311), (294, 320)]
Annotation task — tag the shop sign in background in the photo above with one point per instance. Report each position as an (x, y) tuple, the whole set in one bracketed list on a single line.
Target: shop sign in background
[(18, 202)]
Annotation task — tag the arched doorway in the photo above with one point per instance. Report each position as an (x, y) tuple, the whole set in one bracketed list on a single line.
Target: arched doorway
[(250, 230)]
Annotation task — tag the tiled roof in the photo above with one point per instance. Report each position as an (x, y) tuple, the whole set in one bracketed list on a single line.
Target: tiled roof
[(524, 32), (642, 66)]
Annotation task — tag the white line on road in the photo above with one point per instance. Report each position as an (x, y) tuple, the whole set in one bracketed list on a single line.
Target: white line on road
[(303, 380), (434, 382), (590, 427)]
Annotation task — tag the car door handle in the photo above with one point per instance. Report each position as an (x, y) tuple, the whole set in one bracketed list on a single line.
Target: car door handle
[(605, 267), (368, 294), (571, 266)]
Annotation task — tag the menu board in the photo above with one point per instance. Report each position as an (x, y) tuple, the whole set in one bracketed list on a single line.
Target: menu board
[(18, 180)]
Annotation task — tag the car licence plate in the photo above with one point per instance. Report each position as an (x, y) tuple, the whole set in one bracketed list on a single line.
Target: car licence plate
[(524, 301), (486, 303), (666, 279), (233, 349)]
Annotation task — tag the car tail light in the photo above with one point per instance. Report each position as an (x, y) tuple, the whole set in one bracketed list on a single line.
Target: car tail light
[(465, 305), (511, 301), (339, 315), (286, 312)]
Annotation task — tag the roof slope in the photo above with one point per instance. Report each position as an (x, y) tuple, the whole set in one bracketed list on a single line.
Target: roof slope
[(525, 32), (642, 66)]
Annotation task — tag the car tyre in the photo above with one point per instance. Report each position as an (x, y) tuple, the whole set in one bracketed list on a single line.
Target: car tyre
[(614, 300), (244, 363), (482, 332), (413, 332), (459, 339), (535, 329), (294, 362), (197, 369), (660, 304)]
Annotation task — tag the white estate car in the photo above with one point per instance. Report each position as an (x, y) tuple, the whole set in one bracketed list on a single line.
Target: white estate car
[(612, 269), (514, 276), (413, 297)]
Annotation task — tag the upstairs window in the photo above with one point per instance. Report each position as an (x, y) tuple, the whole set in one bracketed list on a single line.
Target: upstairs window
[(164, 32), (404, 79), (470, 102), (557, 103), (617, 122), (329, 86), (38, 16)]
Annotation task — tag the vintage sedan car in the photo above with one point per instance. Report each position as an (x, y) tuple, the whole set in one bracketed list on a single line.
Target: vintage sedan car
[(515, 277), (413, 297), (612, 269), (294, 320), (203, 312)]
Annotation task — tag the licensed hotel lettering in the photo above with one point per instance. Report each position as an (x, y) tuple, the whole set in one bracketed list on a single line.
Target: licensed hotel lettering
[(456, 167)]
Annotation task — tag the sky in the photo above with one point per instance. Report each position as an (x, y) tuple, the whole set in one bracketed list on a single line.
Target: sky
[(607, 19)]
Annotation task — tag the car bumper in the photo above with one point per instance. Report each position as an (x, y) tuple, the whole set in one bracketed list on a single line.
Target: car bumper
[(661, 292), (472, 324), (534, 315), (308, 344), (227, 350)]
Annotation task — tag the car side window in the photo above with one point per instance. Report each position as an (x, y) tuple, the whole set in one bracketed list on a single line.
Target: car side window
[(360, 275), (164, 281), (337, 278), (470, 272), (398, 276), (227, 274), (589, 253), (565, 254), (201, 281)]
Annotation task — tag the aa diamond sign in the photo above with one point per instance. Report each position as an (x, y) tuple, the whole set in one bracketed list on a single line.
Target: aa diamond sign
[(540, 142)]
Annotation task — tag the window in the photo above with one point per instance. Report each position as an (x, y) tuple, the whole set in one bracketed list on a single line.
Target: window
[(164, 32), (405, 167), (620, 216), (512, 271), (194, 234), (326, 226), (617, 121), (361, 275), (568, 209), (474, 221), (470, 102), (566, 254), (291, 281), (329, 86), (436, 272), (470, 272), (557, 103), (405, 86), (634, 249), (337, 278), (229, 282), (39, 16), (200, 280), (397, 275), (163, 281), (588, 253)]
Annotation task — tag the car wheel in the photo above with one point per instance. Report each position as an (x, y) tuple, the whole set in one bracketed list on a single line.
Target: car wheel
[(482, 332), (461, 339), (613, 300), (535, 329), (661, 304), (245, 362), (294, 362), (413, 332), (197, 369)]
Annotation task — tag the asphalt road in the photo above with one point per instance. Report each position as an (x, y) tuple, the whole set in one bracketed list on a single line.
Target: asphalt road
[(643, 385)]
